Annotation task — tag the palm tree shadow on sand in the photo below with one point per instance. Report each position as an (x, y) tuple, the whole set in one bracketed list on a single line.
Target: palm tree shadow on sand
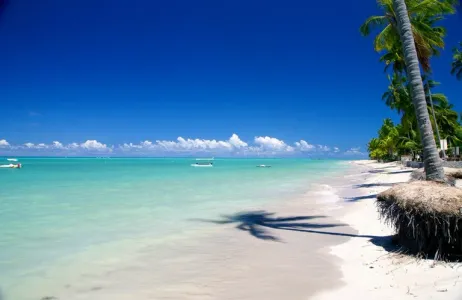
[(258, 223)]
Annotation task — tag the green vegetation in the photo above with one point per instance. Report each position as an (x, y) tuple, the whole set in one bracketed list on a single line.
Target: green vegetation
[(457, 62), (405, 135), (408, 93), (392, 142), (425, 215), (424, 16)]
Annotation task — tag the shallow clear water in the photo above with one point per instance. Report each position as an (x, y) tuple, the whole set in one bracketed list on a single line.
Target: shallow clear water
[(59, 208)]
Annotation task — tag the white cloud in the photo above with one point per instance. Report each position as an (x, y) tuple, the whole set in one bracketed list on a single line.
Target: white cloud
[(127, 147), (261, 146), (304, 146), (57, 145), (354, 151), (147, 144), (36, 146), (89, 145), (235, 141), (94, 145), (182, 144), (73, 146), (270, 143), (194, 145), (143, 145), (233, 145), (323, 148), (4, 144), (265, 145)]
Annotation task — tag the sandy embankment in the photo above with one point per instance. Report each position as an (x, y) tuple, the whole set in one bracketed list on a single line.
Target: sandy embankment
[(371, 272)]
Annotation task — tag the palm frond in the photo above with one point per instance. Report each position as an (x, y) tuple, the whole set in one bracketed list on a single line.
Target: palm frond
[(429, 37), (373, 22), (457, 63), (440, 100), (386, 39), (431, 7)]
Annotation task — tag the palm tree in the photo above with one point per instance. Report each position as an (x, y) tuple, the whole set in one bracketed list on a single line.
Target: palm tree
[(457, 62), (428, 37), (427, 87), (433, 166), (398, 97), (447, 119), (394, 58), (423, 18), (408, 142), (375, 151), (385, 146), (388, 136)]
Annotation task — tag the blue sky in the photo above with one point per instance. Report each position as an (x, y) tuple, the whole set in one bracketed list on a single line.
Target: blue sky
[(120, 72)]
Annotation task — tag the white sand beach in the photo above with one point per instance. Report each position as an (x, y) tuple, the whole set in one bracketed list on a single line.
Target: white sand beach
[(369, 271)]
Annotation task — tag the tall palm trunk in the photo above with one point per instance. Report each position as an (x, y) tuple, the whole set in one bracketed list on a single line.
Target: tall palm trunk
[(432, 162)]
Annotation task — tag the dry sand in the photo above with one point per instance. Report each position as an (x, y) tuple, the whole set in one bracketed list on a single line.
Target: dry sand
[(369, 271)]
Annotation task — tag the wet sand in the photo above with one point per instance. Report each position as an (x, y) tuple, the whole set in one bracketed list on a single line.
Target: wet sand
[(276, 251)]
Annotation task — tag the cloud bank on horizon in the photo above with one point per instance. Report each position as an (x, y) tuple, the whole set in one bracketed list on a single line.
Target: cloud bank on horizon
[(234, 146)]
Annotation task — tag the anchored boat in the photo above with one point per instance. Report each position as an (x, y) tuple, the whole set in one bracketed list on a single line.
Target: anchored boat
[(203, 162), (11, 165)]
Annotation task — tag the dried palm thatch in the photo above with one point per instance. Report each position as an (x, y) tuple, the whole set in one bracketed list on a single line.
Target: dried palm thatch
[(427, 217), (451, 175)]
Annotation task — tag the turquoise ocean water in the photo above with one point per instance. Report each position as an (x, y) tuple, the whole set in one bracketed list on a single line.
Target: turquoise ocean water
[(55, 208)]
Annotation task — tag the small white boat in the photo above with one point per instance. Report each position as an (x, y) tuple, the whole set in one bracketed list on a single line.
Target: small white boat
[(204, 164), (12, 166), (12, 159), (263, 166)]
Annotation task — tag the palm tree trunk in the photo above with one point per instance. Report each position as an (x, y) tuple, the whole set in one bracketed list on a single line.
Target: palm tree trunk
[(432, 162)]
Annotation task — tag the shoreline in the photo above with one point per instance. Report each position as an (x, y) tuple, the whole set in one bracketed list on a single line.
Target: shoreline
[(370, 269)]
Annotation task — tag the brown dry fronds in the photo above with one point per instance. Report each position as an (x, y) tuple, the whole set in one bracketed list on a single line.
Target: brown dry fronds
[(426, 216)]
